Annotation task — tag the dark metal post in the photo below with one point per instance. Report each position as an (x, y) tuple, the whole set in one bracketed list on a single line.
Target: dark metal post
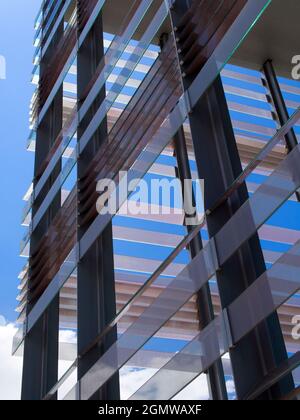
[(216, 380), (95, 279), (40, 362), (219, 164), (280, 106), (278, 102)]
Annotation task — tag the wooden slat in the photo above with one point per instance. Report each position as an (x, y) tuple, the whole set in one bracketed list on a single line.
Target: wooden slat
[(134, 129), (200, 32)]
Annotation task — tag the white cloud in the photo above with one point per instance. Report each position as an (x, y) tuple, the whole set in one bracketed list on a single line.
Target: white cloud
[(230, 386), (196, 390), (10, 366), (131, 379), (68, 336)]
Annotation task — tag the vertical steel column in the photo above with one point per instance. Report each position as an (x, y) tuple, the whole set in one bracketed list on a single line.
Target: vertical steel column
[(219, 164), (278, 102), (40, 362), (95, 281), (215, 374), (216, 380), (280, 106)]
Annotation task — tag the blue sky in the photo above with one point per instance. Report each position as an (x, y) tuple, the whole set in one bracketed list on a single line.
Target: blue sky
[(16, 35)]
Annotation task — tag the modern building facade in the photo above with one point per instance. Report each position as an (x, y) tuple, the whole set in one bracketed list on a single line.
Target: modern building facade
[(140, 303)]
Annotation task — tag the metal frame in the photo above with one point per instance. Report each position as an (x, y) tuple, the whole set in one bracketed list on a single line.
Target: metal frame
[(219, 165), (96, 298), (216, 379)]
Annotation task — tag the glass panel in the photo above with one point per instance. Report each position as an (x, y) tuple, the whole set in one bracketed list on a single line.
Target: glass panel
[(179, 114), (68, 168), (18, 338), (280, 185), (59, 280), (115, 51), (66, 181), (179, 330), (68, 132), (261, 156), (264, 296), (48, 21), (187, 364), (269, 292), (277, 188), (226, 48), (124, 75), (146, 231), (67, 334), (169, 301), (197, 390), (201, 260)]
